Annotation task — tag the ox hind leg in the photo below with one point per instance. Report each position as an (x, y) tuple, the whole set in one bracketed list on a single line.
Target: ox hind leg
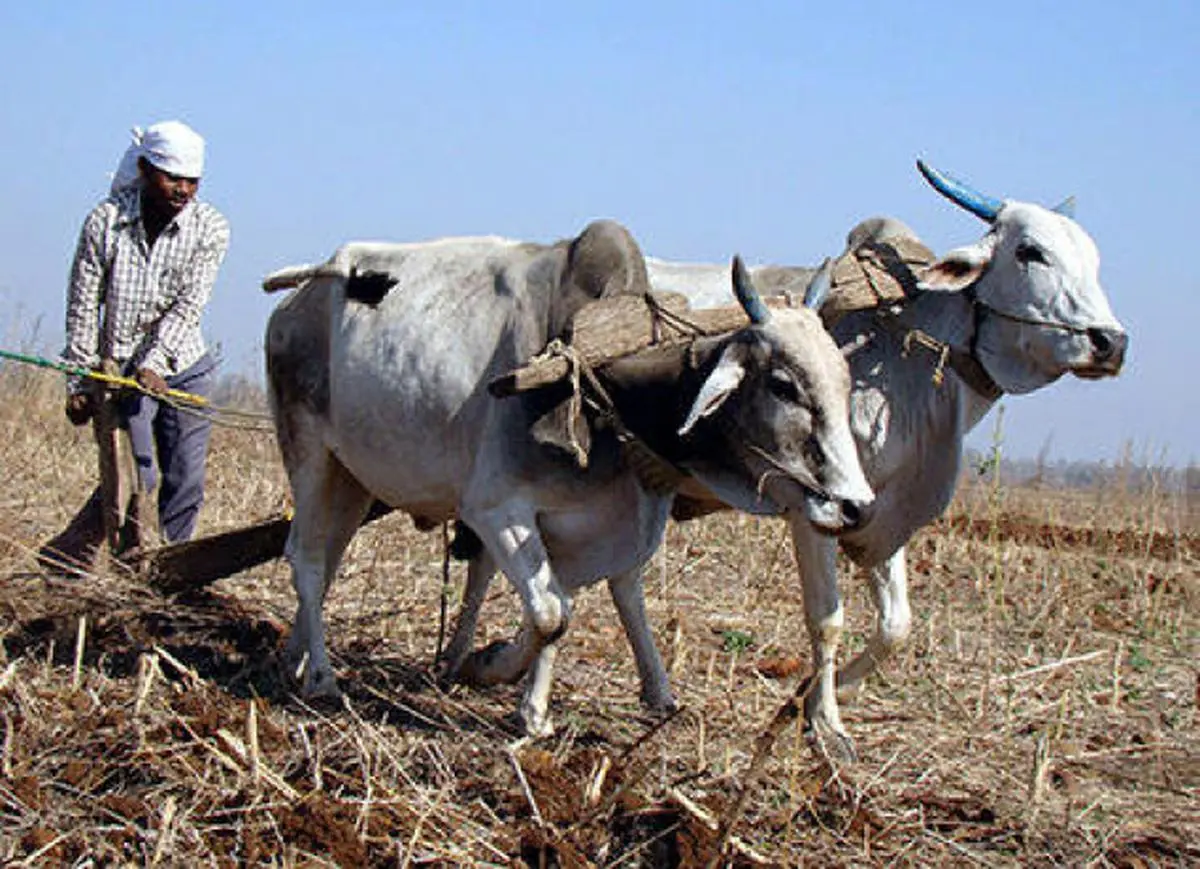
[(629, 596), (510, 533), (889, 588), (330, 506), (816, 556), (480, 570)]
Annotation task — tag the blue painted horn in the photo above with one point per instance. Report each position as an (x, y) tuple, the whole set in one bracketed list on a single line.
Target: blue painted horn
[(819, 285), (960, 194), (749, 298)]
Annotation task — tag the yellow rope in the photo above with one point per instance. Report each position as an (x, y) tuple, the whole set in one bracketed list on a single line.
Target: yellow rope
[(130, 383), (186, 402)]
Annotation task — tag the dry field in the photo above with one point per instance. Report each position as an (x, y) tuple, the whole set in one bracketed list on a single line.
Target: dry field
[(1044, 712)]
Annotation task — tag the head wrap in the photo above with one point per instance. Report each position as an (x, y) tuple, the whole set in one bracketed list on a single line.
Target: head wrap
[(171, 146)]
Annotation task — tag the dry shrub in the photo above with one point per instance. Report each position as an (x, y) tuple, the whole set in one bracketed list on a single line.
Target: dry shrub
[(1044, 711)]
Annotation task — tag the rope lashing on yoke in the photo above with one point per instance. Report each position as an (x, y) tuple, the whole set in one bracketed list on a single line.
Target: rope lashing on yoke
[(663, 316), (186, 402), (655, 473)]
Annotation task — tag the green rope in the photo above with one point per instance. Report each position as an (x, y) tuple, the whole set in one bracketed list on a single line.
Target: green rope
[(185, 401)]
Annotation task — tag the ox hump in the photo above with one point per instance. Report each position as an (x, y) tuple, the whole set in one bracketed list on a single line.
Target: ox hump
[(604, 260)]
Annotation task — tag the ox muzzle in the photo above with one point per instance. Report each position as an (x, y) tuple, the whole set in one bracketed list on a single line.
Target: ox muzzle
[(1108, 353), (836, 515)]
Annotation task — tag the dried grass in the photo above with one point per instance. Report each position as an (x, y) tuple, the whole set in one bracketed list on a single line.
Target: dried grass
[(1044, 712)]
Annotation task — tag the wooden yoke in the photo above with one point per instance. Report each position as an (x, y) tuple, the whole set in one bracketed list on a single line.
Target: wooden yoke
[(876, 274), (617, 327), (120, 485)]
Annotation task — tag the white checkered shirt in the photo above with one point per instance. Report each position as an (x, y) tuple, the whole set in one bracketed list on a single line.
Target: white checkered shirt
[(139, 304)]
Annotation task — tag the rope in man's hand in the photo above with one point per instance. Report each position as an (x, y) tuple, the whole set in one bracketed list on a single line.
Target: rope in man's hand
[(81, 406)]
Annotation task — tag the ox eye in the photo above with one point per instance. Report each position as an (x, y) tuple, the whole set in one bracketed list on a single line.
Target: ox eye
[(783, 386), (814, 451), (1030, 253)]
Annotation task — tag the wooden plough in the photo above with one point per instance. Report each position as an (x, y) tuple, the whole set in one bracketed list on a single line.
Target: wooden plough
[(172, 567), (175, 567), (178, 567)]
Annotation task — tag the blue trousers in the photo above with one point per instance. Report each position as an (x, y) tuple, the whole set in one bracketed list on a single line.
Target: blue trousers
[(172, 443)]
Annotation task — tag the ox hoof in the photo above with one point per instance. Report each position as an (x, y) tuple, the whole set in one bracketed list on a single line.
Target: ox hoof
[(321, 686), (481, 667), (831, 745), (450, 670), (313, 684), (660, 705)]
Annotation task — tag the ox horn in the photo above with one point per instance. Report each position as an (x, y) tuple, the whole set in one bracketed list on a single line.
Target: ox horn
[(749, 298), (960, 194), (1066, 208), (819, 286)]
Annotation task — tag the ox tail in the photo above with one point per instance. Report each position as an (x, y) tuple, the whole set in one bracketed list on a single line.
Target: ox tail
[(294, 276)]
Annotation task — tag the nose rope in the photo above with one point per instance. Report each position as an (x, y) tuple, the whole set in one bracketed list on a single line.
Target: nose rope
[(1031, 321), (803, 478)]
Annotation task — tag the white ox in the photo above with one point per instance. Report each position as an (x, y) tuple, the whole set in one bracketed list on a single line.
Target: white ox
[(378, 367), (1016, 310), (1025, 303)]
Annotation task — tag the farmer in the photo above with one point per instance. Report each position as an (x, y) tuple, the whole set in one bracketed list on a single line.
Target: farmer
[(143, 272)]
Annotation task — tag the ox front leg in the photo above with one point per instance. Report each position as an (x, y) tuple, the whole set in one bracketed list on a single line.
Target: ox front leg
[(889, 587), (327, 515), (628, 595), (535, 704), (512, 537), (480, 571), (816, 556)]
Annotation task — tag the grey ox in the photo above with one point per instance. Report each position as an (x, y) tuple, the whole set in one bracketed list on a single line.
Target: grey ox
[(1015, 311), (378, 367)]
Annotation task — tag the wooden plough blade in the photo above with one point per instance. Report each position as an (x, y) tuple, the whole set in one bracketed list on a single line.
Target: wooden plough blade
[(192, 565)]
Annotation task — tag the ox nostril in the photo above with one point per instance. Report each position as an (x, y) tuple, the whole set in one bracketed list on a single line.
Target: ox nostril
[(851, 514), (1102, 345), (1108, 345)]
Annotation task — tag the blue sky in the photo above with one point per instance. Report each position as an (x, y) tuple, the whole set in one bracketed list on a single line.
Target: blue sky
[(765, 128)]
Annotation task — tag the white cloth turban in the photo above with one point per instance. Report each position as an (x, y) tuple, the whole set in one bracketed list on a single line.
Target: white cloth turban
[(171, 146)]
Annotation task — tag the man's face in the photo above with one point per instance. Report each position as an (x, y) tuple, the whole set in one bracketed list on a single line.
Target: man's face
[(167, 193)]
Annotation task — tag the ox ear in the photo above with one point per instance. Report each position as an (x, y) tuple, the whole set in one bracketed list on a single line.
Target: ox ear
[(959, 268), (719, 385)]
